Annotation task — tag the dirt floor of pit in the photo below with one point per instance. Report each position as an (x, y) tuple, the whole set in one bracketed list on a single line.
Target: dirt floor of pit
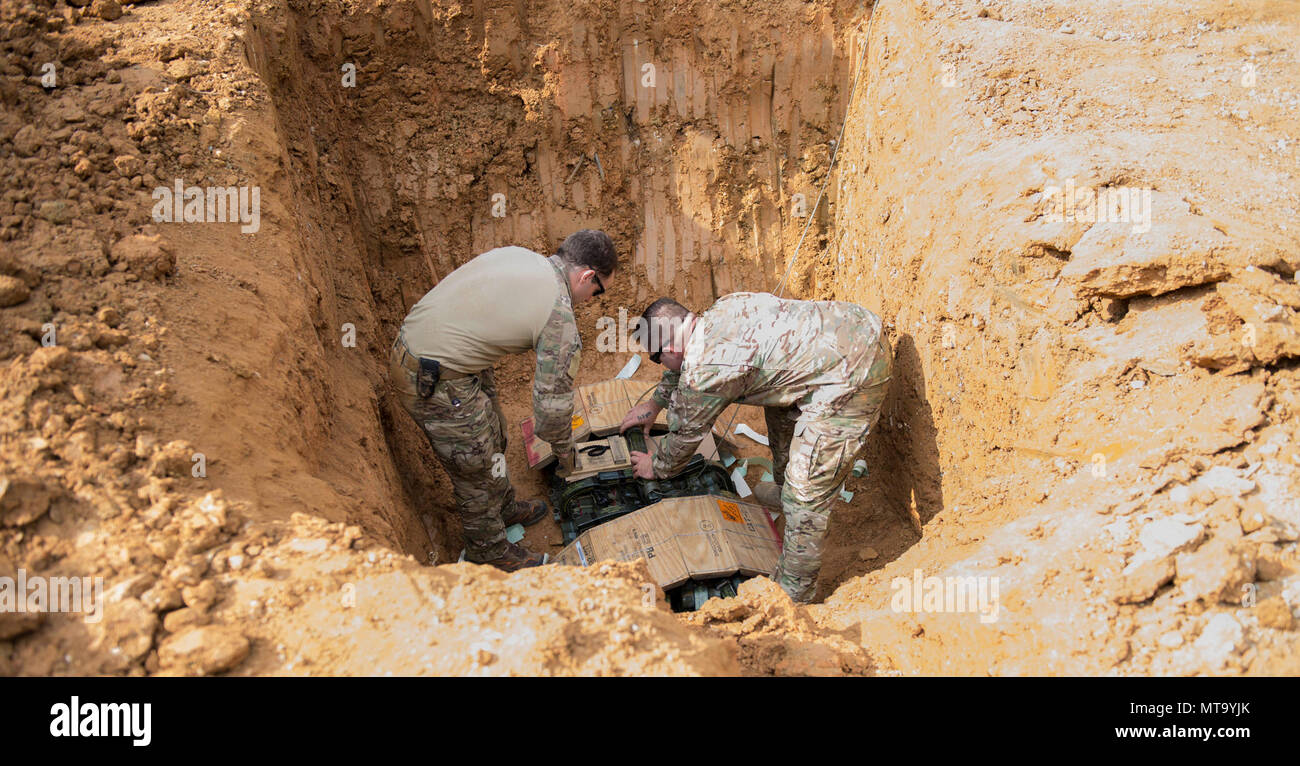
[(1076, 414)]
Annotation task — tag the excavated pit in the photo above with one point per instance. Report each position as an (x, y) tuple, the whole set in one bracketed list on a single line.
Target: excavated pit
[(699, 137), (418, 137)]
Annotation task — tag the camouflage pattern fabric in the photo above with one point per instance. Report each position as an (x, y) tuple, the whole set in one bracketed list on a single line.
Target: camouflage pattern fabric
[(464, 424), (819, 368), (814, 467), (559, 352)]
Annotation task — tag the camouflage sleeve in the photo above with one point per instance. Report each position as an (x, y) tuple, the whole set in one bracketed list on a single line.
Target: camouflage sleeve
[(690, 417), (663, 394), (559, 351)]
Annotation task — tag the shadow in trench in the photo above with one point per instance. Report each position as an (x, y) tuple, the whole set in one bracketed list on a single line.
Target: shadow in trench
[(902, 489), (425, 484)]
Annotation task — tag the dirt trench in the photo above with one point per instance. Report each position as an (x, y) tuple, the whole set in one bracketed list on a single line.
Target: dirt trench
[(416, 137), (1076, 415)]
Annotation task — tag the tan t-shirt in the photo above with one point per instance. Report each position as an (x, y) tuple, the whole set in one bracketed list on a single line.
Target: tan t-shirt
[(497, 304)]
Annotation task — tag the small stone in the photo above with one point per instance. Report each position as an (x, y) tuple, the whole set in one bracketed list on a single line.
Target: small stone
[(1252, 518), (181, 619), (124, 634), (201, 596), (1275, 613), (22, 500), (184, 69), (1162, 537), (109, 316), (1142, 578), (128, 165), (132, 587), (172, 459), (55, 211), (12, 291), (203, 650), (1113, 309), (109, 338), (162, 597), (1224, 482), (1217, 571), (27, 141), (868, 553), (144, 255), (1273, 564), (108, 10), (724, 610), (163, 545)]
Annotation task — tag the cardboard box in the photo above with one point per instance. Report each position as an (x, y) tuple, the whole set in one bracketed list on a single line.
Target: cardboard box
[(598, 410), (683, 538), (598, 455), (606, 403), (617, 455), (538, 452)]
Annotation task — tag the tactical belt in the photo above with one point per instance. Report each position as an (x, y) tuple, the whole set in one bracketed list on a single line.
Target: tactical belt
[(427, 371)]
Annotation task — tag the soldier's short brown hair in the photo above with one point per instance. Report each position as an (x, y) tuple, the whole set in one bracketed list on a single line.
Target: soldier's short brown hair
[(657, 321), (589, 249)]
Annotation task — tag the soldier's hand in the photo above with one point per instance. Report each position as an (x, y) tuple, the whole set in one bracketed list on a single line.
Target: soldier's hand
[(565, 465), (643, 415), (643, 465)]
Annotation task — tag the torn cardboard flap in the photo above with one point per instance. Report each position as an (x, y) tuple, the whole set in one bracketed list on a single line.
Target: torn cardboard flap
[(683, 538)]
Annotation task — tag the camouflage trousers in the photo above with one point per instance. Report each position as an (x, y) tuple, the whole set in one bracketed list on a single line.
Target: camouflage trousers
[(463, 422), (813, 449)]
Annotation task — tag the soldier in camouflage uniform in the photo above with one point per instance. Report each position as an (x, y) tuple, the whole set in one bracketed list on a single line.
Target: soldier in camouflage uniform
[(818, 368), (505, 301)]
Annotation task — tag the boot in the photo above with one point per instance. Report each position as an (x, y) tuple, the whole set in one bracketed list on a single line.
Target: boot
[(768, 494), (526, 512), (516, 557)]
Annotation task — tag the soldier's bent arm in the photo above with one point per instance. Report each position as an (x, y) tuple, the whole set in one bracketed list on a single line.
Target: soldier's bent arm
[(559, 349), (663, 394), (692, 415)]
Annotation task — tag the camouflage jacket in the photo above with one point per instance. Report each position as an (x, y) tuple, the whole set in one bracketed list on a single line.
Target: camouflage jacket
[(755, 348), (559, 352)]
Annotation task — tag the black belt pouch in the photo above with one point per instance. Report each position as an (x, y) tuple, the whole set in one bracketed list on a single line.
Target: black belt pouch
[(427, 379)]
